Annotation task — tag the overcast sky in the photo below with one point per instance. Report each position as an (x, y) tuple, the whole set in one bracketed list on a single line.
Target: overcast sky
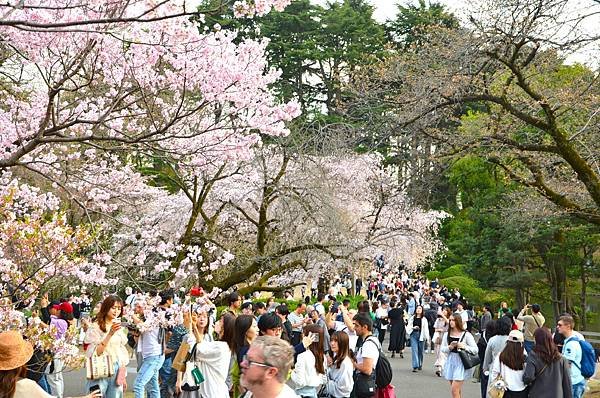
[(386, 9)]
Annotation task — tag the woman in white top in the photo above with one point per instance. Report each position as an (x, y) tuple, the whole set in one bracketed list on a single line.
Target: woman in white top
[(340, 372), (211, 357), (457, 338), (381, 315), (418, 332), (510, 364), (311, 366), (105, 335)]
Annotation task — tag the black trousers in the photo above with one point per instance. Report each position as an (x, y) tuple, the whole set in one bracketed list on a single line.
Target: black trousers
[(516, 394)]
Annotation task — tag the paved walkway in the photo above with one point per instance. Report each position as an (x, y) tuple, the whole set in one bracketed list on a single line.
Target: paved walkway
[(424, 384)]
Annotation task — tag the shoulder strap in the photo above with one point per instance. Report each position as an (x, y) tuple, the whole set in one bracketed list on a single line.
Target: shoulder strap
[(573, 338), (462, 337), (536, 322), (374, 342), (192, 354), (542, 371)]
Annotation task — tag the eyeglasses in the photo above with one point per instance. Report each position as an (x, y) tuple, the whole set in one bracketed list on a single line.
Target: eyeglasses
[(250, 363), (560, 324)]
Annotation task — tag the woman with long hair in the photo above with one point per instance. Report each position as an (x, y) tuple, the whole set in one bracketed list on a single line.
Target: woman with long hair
[(14, 355), (244, 333), (457, 338), (418, 330), (340, 372), (440, 327), (311, 365), (211, 357), (547, 372), (105, 335), (397, 330), (225, 330), (510, 364)]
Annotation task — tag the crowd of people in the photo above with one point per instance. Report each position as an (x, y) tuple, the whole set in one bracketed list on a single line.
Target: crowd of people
[(317, 348)]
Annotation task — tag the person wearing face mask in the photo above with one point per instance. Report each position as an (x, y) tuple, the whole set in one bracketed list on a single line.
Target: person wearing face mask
[(105, 334)]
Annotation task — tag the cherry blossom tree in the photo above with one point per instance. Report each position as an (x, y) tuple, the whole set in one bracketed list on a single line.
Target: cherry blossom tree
[(87, 86), (260, 223), (124, 75)]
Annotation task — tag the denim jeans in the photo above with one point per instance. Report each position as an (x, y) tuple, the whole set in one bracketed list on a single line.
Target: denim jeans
[(528, 345), (416, 349), (578, 389), (55, 378), (168, 377), (148, 374), (107, 385), (42, 382)]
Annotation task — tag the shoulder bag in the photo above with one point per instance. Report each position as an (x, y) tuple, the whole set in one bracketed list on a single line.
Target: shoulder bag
[(364, 385), (182, 354), (99, 366), (192, 376), (181, 357), (497, 386), (468, 360)]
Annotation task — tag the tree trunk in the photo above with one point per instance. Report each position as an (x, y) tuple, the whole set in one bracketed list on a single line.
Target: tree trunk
[(584, 280)]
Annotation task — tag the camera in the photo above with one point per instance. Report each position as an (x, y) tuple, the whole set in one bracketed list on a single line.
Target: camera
[(334, 307)]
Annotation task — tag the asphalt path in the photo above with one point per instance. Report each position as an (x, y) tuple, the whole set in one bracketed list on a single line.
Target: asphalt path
[(423, 384)]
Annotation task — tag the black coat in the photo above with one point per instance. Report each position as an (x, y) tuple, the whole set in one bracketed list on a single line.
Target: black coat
[(397, 329)]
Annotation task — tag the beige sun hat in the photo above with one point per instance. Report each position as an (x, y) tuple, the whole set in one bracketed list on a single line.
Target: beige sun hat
[(14, 351)]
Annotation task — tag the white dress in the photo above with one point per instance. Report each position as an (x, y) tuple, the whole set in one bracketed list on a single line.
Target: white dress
[(453, 368)]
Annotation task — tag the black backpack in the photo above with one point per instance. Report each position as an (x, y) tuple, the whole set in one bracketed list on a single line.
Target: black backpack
[(383, 369)]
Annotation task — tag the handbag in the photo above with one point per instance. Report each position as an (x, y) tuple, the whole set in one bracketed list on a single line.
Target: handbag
[(386, 392), (498, 386), (468, 360), (181, 357), (364, 385), (99, 366), (192, 377), (182, 353)]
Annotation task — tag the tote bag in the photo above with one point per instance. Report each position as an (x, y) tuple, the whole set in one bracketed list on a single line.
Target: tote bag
[(99, 366), (181, 357)]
